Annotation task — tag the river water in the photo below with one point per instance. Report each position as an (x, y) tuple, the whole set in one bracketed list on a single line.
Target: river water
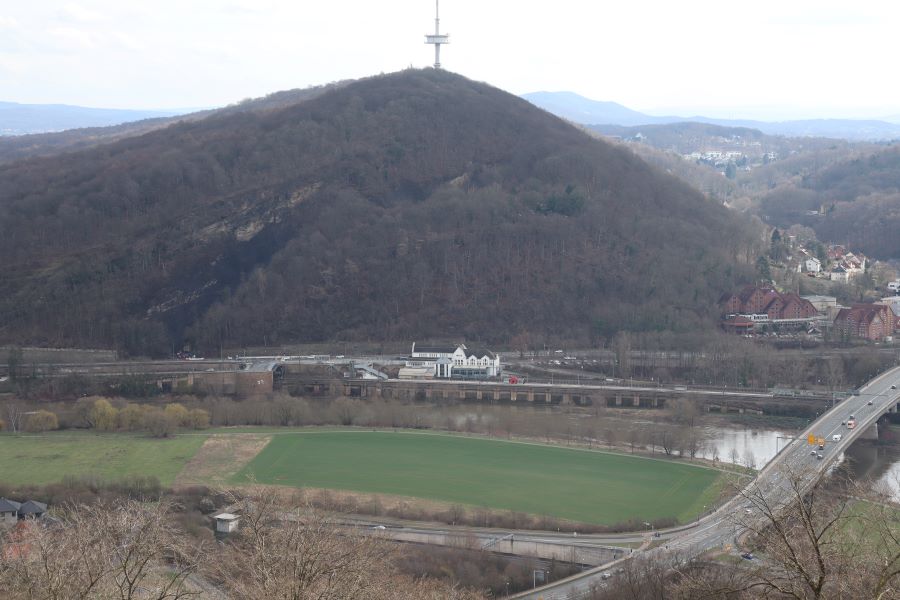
[(878, 463), (748, 447)]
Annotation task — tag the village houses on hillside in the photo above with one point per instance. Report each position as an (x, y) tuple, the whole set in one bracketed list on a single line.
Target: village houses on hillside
[(841, 265)]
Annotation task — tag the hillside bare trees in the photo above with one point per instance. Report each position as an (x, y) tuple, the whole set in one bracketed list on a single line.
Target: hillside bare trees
[(125, 550), (287, 551), (335, 218)]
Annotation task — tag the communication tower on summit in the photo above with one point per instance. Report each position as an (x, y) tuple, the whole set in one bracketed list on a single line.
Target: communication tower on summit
[(437, 39)]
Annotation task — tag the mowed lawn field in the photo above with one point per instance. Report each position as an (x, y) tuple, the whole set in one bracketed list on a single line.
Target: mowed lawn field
[(585, 486), (42, 459)]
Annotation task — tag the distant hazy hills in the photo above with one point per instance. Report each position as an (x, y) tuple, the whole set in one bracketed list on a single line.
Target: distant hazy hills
[(17, 147), (579, 109), (21, 119), (412, 205)]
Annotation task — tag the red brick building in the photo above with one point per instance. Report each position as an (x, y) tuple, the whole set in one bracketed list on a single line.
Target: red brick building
[(754, 300), (867, 321)]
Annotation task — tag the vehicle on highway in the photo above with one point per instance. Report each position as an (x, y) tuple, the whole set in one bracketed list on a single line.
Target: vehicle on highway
[(893, 387), (813, 452), (379, 527), (819, 455), (869, 403), (836, 437), (606, 575)]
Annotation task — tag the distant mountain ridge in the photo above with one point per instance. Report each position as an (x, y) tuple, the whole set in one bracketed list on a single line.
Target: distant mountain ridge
[(18, 147), (23, 119), (585, 111)]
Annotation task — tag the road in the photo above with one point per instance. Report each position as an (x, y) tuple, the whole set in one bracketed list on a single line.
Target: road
[(772, 483)]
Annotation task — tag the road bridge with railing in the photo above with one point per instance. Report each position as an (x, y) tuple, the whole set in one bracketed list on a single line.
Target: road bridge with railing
[(796, 463)]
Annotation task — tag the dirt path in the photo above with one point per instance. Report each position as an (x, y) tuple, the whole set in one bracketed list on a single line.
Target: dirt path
[(220, 457)]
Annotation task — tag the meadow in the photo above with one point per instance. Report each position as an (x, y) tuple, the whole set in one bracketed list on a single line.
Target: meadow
[(581, 485), (49, 458)]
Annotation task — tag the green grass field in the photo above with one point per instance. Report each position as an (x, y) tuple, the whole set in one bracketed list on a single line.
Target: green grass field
[(41, 459), (585, 486)]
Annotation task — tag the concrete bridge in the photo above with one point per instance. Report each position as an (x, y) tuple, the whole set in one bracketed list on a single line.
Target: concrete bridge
[(773, 484), (592, 393)]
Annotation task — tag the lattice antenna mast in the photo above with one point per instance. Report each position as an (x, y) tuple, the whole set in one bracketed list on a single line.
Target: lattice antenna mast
[(437, 39)]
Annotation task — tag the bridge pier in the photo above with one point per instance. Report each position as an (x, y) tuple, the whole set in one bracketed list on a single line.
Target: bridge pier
[(870, 433)]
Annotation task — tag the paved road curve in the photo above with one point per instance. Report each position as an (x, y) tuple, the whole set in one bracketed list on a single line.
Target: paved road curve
[(719, 528)]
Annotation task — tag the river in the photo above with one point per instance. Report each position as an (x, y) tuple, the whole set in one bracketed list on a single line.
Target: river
[(748, 447), (878, 463)]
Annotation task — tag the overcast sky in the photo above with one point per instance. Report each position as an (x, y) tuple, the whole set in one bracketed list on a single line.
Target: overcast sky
[(755, 58)]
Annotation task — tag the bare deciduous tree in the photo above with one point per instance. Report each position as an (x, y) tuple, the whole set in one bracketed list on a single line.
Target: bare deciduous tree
[(294, 553), (125, 550)]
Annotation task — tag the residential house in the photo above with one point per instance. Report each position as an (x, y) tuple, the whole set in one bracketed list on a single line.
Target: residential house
[(31, 509), (836, 252), (9, 511), (812, 264), (839, 274), (867, 321)]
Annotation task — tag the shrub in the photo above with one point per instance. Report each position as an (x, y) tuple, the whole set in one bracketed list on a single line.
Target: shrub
[(178, 414), (198, 418), (103, 415), (41, 420), (158, 423)]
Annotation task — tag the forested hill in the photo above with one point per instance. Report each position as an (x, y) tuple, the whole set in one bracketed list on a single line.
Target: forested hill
[(856, 202), (404, 206), (13, 148)]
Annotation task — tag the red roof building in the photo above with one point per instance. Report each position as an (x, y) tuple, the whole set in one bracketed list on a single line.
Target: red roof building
[(754, 300), (867, 321)]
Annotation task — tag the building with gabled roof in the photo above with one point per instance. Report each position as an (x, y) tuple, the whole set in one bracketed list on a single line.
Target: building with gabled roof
[(32, 509), (866, 321), (454, 362), (12, 511), (755, 300), (9, 511)]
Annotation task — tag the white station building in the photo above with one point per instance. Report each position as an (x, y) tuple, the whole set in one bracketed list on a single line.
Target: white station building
[(450, 362)]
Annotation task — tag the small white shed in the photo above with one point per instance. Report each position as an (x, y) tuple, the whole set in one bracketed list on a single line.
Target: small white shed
[(226, 522)]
